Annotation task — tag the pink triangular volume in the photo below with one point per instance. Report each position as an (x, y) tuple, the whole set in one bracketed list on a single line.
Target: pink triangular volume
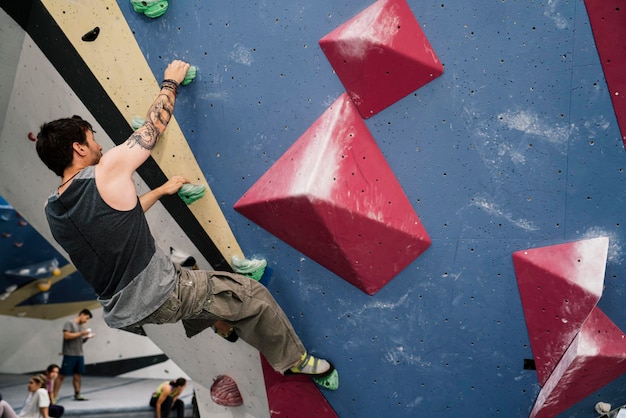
[(381, 55), (559, 287), (596, 357), (333, 197), (608, 22), (294, 396)]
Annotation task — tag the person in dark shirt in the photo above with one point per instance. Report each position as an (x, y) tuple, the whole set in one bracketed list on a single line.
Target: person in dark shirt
[(97, 217)]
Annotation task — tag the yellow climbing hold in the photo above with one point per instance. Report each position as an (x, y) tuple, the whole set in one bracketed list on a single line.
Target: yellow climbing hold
[(44, 285)]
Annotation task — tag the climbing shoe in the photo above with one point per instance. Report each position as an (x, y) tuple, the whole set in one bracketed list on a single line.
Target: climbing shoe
[(230, 335)]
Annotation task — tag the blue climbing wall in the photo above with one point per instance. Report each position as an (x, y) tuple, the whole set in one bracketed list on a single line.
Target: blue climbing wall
[(515, 146)]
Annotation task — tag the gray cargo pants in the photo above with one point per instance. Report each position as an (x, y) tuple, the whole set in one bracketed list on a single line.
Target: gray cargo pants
[(202, 297)]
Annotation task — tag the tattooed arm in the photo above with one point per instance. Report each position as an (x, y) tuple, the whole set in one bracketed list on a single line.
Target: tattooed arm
[(116, 167), (157, 119)]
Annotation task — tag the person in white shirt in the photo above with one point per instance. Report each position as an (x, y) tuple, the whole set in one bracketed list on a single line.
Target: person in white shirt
[(37, 401)]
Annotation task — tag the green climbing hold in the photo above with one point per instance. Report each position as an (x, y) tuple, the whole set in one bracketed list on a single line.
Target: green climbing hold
[(190, 76), (140, 6), (137, 123), (189, 193), (157, 9), (330, 382), (151, 8), (252, 268)]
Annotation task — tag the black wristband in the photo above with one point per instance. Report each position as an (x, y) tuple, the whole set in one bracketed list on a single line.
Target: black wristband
[(170, 85)]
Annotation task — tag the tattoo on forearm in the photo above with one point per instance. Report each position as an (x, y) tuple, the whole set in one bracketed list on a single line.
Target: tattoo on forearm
[(158, 117), (146, 139)]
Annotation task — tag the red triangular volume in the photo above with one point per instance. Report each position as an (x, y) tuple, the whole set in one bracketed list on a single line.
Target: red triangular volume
[(381, 55), (294, 396), (559, 286), (224, 391), (333, 197), (608, 22), (596, 357)]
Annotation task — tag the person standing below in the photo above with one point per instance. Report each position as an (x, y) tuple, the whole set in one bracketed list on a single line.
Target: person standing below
[(166, 398), (97, 217), (37, 401), (52, 372), (74, 336)]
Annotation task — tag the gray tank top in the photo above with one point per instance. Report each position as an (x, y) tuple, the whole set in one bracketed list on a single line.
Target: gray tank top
[(113, 250)]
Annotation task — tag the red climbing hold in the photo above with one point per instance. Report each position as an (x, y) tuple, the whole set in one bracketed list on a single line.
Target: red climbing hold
[(294, 396), (608, 23), (559, 286), (333, 197), (596, 357), (32, 136), (224, 391), (381, 55)]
